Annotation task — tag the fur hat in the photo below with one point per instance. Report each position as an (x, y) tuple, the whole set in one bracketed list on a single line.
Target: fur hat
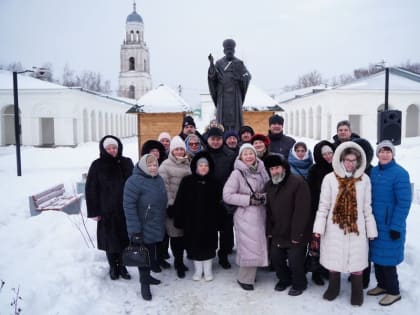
[(164, 135), (261, 137), (276, 119), (188, 121), (215, 132), (176, 142), (276, 160), (385, 144), (109, 141), (246, 129), (246, 146)]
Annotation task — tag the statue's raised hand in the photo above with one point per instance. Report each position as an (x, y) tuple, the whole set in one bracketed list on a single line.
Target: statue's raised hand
[(211, 59)]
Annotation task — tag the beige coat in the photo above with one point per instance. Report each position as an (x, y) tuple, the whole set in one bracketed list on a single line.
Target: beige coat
[(173, 171), (345, 252)]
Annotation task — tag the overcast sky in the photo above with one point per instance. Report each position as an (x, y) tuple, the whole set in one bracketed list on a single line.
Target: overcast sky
[(279, 40)]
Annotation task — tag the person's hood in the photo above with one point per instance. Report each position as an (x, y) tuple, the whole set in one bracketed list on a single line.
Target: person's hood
[(154, 144), (338, 169), (102, 151), (319, 160), (199, 155)]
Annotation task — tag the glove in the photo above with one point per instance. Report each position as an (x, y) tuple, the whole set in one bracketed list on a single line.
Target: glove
[(395, 235), (256, 201), (170, 212), (137, 239)]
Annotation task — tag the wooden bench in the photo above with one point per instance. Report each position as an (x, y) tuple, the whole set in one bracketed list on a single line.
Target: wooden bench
[(55, 198)]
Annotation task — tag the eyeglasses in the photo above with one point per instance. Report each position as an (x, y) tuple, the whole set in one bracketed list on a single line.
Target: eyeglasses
[(350, 161), (194, 143)]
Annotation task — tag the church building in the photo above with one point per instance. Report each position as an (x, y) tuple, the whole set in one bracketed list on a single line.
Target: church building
[(134, 79)]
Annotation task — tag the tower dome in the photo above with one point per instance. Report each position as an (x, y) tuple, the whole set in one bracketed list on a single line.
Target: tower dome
[(134, 16)]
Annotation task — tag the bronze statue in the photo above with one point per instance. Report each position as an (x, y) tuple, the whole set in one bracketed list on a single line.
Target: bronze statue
[(228, 82)]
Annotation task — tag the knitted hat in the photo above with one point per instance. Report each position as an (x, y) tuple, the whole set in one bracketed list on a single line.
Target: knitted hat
[(176, 142), (246, 146), (188, 121), (110, 141), (230, 133), (202, 160), (215, 132), (164, 135), (246, 129), (276, 119), (326, 149), (261, 137), (385, 144)]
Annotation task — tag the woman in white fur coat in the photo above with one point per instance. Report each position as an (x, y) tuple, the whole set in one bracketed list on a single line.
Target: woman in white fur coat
[(344, 220)]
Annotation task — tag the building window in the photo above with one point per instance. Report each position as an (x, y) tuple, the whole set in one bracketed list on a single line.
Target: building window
[(137, 36), (131, 63), (131, 36), (131, 92), (145, 65)]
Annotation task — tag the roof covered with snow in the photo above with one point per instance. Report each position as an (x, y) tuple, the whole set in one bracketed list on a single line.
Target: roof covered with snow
[(163, 99), (399, 79), (26, 82), (283, 97), (257, 99)]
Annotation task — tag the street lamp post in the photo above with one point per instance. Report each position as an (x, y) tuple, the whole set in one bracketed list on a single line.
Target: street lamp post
[(40, 72)]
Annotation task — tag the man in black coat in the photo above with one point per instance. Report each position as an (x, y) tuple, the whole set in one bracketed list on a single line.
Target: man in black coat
[(223, 165), (344, 133), (288, 224), (279, 142), (104, 200)]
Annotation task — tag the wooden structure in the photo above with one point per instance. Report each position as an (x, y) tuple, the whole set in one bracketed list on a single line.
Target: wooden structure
[(258, 120), (150, 125)]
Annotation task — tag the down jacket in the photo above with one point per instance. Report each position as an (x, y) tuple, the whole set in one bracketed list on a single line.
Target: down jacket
[(249, 221), (391, 193), (145, 204), (173, 171), (345, 252)]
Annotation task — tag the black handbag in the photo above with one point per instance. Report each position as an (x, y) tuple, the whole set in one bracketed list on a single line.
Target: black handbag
[(136, 255)]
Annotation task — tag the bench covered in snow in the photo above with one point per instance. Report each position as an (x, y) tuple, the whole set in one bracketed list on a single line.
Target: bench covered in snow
[(55, 198)]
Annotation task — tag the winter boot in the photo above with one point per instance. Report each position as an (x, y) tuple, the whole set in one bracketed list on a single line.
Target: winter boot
[(389, 299), (317, 278), (224, 262), (153, 280), (208, 272), (333, 286), (198, 272), (145, 285), (356, 290), (123, 272), (113, 265)]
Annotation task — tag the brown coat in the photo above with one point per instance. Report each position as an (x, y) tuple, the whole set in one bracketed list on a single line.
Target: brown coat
[(289, 211)]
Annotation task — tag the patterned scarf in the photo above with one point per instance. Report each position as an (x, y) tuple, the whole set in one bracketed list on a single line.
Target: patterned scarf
[(345, 208)]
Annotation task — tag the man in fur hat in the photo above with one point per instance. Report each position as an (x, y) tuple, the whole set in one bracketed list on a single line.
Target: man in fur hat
[(288, 224)]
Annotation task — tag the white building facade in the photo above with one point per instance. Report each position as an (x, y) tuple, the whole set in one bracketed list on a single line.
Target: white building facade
[(315, 115), (134, 79), (54, 115)]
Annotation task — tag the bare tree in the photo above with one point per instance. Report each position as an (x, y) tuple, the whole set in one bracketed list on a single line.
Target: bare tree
[(13, 66), (310, 79), (47, 74), (88, 80), (413, 67)]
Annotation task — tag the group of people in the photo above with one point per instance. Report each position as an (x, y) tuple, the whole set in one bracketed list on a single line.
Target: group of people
[(196, 193)]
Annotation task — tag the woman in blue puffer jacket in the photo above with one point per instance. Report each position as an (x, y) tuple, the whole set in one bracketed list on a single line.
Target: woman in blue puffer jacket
[(391, 200), (144, 203)]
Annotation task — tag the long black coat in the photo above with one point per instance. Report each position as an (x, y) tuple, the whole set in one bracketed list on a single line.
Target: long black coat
[(198, 211), (317, 173), (104, 197)]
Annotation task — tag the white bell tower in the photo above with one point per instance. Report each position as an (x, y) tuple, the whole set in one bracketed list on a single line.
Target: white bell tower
[(135, 79)]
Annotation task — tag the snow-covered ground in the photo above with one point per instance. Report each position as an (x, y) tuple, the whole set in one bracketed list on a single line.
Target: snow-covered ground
[(47, 258)]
